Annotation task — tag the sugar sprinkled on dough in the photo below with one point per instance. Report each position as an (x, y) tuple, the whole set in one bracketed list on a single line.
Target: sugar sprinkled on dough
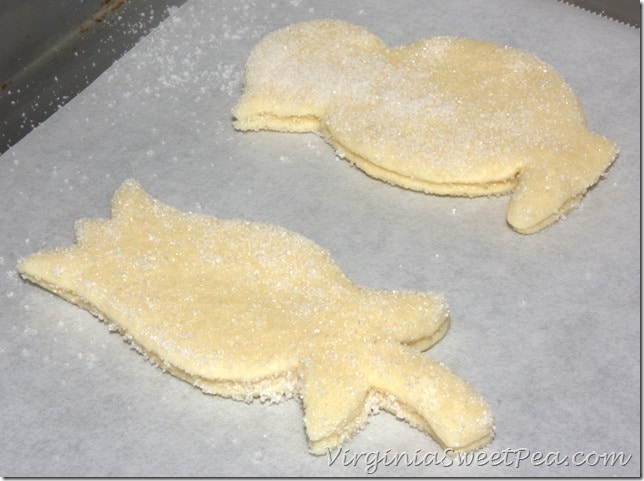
[(447, 115), (249, 310)]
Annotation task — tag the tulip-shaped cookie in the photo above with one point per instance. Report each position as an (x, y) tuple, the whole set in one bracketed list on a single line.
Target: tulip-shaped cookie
[(249, 310), (447, 116)]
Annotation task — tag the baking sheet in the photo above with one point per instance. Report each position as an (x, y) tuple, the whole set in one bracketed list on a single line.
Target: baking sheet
[(546, 327)]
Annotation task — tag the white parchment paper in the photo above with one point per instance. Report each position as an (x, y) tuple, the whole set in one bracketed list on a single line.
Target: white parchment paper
[(546, 327)]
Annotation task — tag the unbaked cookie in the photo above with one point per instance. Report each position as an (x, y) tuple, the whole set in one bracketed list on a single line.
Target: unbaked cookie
[(447, 116), (249, 310)]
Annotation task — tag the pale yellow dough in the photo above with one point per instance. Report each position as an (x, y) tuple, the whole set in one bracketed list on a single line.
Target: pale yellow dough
[(447, 116), (250, 310)]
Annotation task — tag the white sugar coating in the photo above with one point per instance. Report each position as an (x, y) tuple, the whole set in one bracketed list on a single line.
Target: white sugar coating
[(249, 310), (447, 115)]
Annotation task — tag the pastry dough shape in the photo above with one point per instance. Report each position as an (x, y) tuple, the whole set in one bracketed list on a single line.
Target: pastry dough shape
[(447, 116), (249, 310)]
